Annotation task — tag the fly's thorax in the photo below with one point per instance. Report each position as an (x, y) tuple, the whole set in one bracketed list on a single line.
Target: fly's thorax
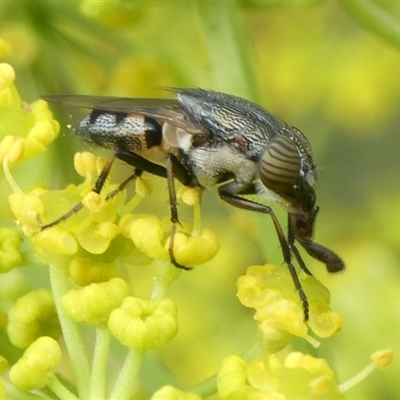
[(216, 164), (236, 121), (126, 132), (287, 169)]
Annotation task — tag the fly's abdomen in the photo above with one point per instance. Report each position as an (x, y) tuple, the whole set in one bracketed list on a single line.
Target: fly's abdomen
[(118, 131)]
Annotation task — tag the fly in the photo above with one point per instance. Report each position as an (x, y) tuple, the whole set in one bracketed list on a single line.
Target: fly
[(205, 138)]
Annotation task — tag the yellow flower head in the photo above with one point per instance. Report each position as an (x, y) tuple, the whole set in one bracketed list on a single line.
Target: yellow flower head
[(93, 304), (171, 393), (25, 130), (298, 376), (10, 255), (37, 366), (33, 315), (279, 311), (144, 324)]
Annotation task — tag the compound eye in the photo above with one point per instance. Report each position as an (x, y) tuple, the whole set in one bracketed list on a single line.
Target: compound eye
[(280, 165)]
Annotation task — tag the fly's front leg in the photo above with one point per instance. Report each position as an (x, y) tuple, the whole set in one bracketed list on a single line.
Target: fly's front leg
[(294, 249), (231, 194), (173, 209), (301, 229), (98, 186), (139, 163)]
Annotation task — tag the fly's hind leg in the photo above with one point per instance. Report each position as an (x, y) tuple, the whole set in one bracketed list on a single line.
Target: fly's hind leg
[(230, 193)]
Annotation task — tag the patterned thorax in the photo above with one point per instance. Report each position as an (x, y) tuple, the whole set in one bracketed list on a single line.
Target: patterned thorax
[(230, 119)]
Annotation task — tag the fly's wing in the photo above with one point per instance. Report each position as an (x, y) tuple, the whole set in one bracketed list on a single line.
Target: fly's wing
[(164, 110)]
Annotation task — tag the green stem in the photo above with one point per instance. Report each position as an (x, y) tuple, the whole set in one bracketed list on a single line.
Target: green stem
[(71, 333), (166, 275), (362, 375), (228, 46), (126, 378), (196, 219), (206, 388), (100, 362), (371, 16), (60, 390), (13, 393)]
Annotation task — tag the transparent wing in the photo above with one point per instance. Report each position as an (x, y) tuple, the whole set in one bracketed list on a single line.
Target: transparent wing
[(168, 110)]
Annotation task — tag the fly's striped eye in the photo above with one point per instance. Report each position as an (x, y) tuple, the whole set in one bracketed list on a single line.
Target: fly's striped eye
[(280, 165)]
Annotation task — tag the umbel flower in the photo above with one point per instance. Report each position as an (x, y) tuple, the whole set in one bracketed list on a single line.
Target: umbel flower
[(89, 295)]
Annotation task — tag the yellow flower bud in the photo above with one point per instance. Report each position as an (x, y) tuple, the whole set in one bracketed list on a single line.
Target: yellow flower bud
[(92, 201), (36, 367), (96, 238), (190, 196), (143, 186), (146, 233), (93, 304), (321, 386), (3, 365), (27, 208), (7, 75), (85, 164), (195, 250), (171, 393), (42, 132), (382, 358), (57, 240), (144, 324), (12, 148), (84, 271), (232, 378), (10, 255), (33, 315)]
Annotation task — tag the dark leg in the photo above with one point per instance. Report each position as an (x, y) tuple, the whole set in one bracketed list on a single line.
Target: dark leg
[(180, 172), (173, 210), (294, 249), (301, 229), (230, 193), (98, 186), (173, 169)]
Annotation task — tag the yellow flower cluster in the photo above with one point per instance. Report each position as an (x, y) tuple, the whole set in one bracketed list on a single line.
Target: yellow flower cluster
[(93, 236), (144, 324), (25, 130), (279, 311), (298, 376), (94, 226)]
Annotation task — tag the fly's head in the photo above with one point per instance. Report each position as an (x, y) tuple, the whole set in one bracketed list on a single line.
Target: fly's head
[(288, 170)]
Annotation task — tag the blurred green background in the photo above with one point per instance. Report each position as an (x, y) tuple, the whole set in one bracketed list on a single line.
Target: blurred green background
[(328, 68)]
